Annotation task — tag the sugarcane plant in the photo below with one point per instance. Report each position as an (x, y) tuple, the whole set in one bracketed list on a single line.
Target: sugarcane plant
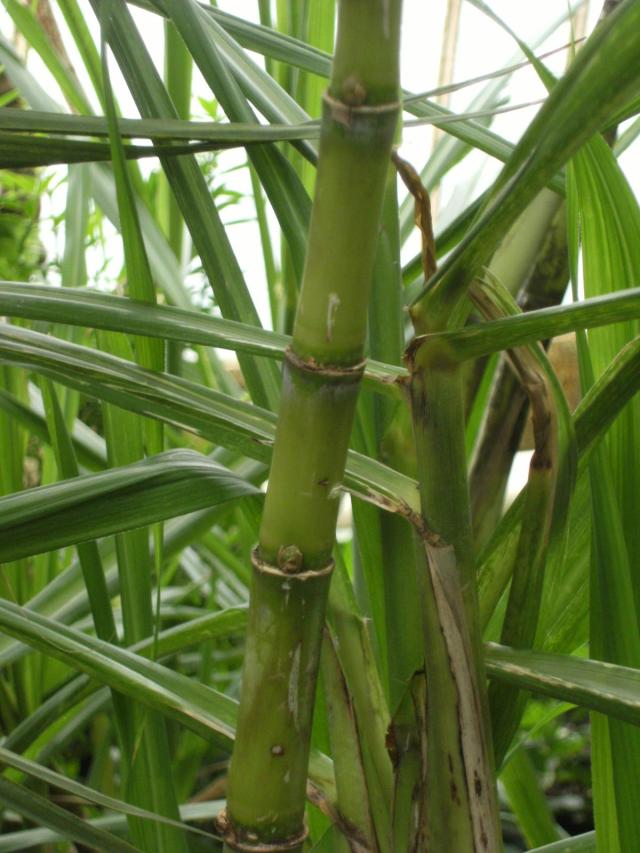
[(187, 649)]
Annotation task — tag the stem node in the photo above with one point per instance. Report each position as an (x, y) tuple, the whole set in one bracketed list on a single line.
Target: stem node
[(290, 570), (249, 842)]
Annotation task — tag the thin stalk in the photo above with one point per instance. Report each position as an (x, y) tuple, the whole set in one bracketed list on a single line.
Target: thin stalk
[(178, 73), (460, 803), (449, 45), (178, 68), (392, 425), (292, 565), (400, 610), (266, 243)]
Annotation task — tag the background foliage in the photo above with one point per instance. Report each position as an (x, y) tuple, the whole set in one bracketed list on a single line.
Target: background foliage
[(134, 450)]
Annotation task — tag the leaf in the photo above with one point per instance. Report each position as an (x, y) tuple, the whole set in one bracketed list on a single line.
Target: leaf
[(188, 185), (224, 623), (102, 311), (29, 838), (602, 77), (592, 418), (605, 687), (284, 189), (200, 708), (18, 151), (88, 553), (95, 505), (36, 808), (351, 783), (88, 445), (90, 795), (216, 416), (546, 501), (527, 800), (603, 207), (480, 339), (32, 30), (585, 843)]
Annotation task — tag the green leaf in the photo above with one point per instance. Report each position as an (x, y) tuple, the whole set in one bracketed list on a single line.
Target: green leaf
[(592, 418), (18, 151), (601, 79), (200, 708), (163, 260), (36, 808), (527, 800), (77, 24), (284, 189), (480, 339), (199, 630), (585, 843), (102, 311), (95, 505), (351, 784), (88, 553), (32, 30), (29, 838), (88, 445), (216, 416), (605, 687), (188, 185), (605, 213), (226, 134), (90, 795)]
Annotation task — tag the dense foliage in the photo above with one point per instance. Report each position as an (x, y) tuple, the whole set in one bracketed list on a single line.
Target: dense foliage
[(188, 657)]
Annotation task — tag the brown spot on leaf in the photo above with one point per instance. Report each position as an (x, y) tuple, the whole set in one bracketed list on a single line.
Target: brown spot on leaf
[(477, 784), (391, 743)]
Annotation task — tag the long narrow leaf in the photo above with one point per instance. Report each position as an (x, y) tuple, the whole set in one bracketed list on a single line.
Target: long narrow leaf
[(95, 505)]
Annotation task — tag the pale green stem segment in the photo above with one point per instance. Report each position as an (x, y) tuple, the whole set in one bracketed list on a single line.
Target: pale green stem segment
[(460, 801), (292, 567)]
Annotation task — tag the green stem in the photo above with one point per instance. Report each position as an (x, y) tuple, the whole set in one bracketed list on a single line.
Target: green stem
[(292, 567), (460, 801), (178, 67)]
